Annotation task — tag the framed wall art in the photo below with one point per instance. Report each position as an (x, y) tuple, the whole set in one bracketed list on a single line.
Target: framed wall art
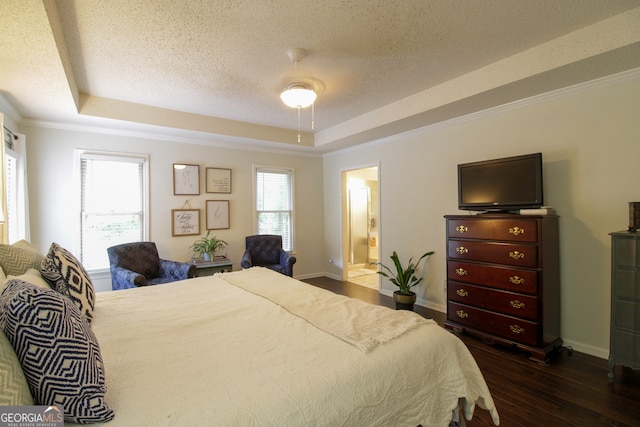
[(186, 179), (218, 180), (185, 222), (217, 214)]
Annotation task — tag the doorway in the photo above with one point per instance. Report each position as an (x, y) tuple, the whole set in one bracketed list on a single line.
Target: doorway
[(360, 229)]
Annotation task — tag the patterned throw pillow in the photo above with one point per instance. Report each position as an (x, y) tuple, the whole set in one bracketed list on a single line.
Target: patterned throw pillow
[(58, 351), (17, 258), (15, 390), (67, 276)]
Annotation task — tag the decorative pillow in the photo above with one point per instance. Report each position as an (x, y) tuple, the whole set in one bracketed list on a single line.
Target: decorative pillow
[(25, 244), (67, 276), (32, 276), (17, 258), (3, 279), (58, 351), (15, 390)]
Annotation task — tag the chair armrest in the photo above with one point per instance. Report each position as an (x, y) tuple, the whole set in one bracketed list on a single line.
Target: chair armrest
[(177, 270), (126, 278), (246, 260), (287, 260)]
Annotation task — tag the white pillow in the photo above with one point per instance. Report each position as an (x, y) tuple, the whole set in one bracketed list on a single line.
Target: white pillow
[(32, 276)]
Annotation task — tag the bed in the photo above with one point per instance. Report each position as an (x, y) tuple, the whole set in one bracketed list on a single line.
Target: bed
[(257, 348)]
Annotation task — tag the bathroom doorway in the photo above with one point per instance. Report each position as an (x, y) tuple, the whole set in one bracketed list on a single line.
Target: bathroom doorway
[(360, 232)]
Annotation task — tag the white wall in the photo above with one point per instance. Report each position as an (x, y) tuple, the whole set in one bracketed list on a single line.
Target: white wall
[(54, 197), (590, 140), (589, 136)]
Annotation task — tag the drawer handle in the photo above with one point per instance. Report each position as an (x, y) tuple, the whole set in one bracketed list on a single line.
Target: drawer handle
[(461, 314), (516, 280), (462, 292), (516, 231), (516, 329), (516, 304), (462, 229), (461, 272), (516, 255), (462, 250)]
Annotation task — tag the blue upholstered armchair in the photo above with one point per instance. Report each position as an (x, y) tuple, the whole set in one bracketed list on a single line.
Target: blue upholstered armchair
[(266, 250), (138, 264)]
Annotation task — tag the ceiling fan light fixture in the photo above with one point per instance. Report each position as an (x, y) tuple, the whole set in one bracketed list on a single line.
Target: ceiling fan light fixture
[(298, 96)]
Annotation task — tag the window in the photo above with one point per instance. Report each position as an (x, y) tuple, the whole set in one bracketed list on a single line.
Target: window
[(15, 187), (274, 203), (113, 204), (11, 188)]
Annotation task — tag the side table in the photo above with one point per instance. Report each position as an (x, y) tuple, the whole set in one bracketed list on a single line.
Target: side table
[(209, 268)]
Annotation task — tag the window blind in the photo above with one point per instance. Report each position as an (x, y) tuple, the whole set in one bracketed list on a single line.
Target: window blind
[(274, 203)]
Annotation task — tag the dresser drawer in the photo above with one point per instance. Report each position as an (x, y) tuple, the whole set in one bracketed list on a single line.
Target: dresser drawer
[(495, 300), (626, 252), (499, 253), (627, 346), (626, 282), (627, 315), (519, 330), (511, 230), (509, 279)]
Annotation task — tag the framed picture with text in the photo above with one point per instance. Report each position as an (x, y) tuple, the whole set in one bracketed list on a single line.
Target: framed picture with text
[(218, 180), (217, 214), (185, 222)]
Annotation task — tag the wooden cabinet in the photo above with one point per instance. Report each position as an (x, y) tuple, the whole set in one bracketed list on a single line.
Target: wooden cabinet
[(212, 267), (625, 301), (503, 281)]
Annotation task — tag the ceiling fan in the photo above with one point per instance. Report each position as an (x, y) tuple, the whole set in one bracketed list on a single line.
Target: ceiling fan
[(299, 88)]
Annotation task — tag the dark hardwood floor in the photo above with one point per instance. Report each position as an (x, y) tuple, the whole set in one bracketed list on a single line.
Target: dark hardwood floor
[(572, 390)]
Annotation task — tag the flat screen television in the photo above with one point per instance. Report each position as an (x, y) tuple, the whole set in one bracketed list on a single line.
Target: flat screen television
[(506, 184)]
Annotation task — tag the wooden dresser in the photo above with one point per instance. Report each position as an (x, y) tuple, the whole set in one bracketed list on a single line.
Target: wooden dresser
[(625, 301), (503, 281)]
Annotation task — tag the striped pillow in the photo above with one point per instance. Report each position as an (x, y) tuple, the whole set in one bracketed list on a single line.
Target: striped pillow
[(57, 349), (15, 390), (67, 276), (17, 258)]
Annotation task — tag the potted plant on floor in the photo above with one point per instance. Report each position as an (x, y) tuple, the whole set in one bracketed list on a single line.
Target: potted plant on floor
[(205, 248), (404, 279)]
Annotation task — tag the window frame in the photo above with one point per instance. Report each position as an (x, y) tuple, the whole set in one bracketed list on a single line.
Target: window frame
[(123, 157), (14, 196), (257, 168), (17, 222)]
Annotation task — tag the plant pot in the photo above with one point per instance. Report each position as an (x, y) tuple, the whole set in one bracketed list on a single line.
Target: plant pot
[(206, 257), (404, 301)]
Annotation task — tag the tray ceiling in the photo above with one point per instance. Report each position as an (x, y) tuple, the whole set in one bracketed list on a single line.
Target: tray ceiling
[(212, 68)]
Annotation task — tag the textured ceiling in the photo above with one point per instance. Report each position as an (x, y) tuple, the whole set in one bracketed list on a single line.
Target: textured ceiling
[(214, 66)]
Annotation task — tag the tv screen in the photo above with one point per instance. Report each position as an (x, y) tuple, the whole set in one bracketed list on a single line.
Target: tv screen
[(505, 184)]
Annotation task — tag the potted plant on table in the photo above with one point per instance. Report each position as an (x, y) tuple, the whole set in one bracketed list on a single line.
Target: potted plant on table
[(404, 279), (205, 247)]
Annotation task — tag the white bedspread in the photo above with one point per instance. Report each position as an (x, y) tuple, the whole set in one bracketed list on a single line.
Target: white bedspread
[(256, 348)]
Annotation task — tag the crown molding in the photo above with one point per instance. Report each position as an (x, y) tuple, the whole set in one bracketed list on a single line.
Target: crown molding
[(179, 136), (7, 108)]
